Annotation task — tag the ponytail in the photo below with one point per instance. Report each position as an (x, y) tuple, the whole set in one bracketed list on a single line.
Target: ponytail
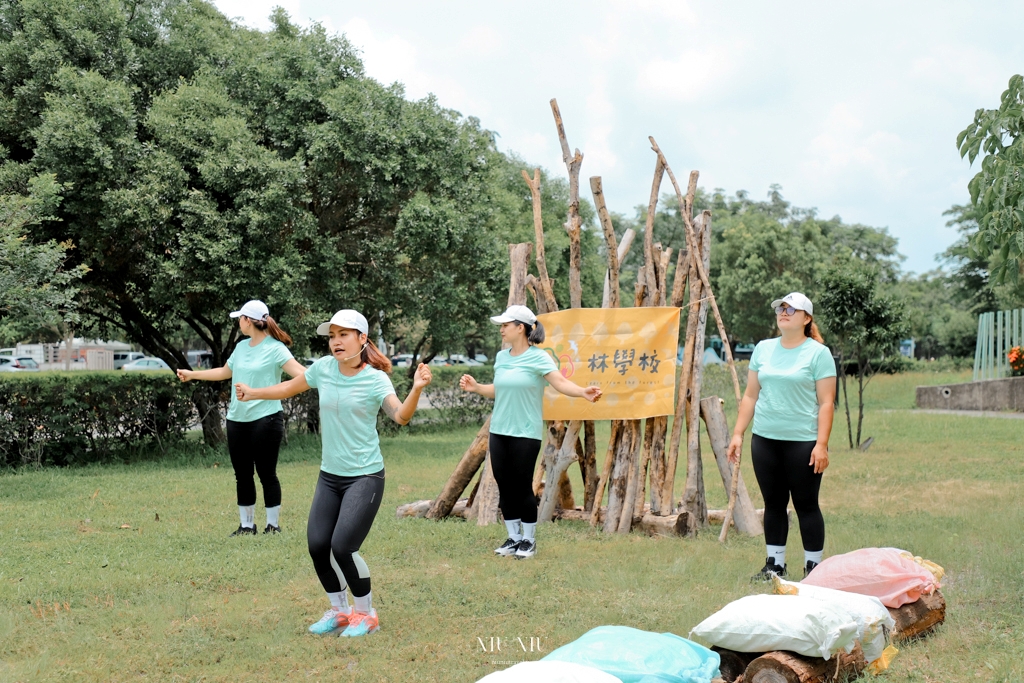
[(270, 327), (811, 330), (372, 356), (534, 333)]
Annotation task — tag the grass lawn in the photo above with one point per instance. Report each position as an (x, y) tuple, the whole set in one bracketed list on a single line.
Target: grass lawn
[(94, 587)]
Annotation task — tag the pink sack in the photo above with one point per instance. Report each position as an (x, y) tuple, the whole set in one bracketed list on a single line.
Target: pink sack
[(884, 573)]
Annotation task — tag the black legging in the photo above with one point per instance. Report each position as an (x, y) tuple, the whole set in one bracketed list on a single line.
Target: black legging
[(513, 459), (339, 520), (782, 470), (256, 444)]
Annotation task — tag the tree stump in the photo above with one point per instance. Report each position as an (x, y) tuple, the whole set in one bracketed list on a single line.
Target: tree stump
[(734, 664), (919, 618), (789, 667)]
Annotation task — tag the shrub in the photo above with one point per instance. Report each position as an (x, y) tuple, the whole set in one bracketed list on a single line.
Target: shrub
[(81, 417)]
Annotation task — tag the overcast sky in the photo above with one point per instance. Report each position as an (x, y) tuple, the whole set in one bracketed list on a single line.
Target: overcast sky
[(852, 108)]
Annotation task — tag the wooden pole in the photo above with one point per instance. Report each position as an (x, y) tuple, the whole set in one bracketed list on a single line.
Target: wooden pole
[(717, 426), (463, 474), (694, 500), (702, 271)]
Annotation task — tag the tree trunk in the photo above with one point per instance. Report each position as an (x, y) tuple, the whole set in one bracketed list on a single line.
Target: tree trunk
[(463, 474), (565, 455), (788, 667), (919, 618), (626, 447), (734, 664), (862, 369), (694, 499), (205, 399), (846, 399), (589, 465), (744, 515)]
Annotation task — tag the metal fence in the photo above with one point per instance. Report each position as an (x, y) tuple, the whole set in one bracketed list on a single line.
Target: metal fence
[(998, 332)]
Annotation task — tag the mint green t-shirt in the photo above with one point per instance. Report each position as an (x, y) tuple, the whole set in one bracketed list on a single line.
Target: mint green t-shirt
[(787, 407), (348, 417), (258, 366), (519, 392)]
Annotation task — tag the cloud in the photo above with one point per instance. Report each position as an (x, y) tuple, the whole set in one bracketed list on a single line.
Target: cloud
[(256, 13), (694, 75), (844, 151), (481, 41)]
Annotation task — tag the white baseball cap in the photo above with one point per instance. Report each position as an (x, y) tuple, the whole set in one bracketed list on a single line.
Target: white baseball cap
[(346, 318), (518, 314), (797, 301), (255, 309)]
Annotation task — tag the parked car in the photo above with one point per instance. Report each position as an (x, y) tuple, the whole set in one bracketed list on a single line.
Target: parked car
[(18, 364), (122, 357), (308, 362), (146, 363), (402, 360), (459, 359), (439, 360)]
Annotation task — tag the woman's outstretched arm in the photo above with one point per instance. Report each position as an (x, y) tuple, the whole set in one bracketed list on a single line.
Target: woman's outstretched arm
[(292, 387)]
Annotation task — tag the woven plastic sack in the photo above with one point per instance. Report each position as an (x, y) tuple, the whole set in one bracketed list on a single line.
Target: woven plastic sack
[(885, 573), (873, 620), (549, 672), (761, 623), (635, 656)]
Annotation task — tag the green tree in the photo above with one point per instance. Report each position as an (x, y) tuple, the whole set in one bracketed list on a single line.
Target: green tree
[(35, 288), (997, 190), (204, 164), (863, 324)]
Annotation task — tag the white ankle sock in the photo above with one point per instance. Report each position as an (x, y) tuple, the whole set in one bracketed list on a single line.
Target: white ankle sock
[(530, 531), (364, 604), (247, 516), (339, 601), (274, 516), (514, 530), (779, 553), (813, 556)]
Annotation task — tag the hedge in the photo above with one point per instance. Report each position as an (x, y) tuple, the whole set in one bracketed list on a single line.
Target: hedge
[(56, 418), (79, 417)]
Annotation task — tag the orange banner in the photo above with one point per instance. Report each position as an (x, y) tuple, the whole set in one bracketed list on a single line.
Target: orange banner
[(629, 352)]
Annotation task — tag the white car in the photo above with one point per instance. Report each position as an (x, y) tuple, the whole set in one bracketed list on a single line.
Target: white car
[(18, 364), (122, 358), (459, 359), (147, 363)]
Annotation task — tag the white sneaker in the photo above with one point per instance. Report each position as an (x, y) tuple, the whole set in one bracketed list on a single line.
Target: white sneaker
[(527, 548), (507, 548)]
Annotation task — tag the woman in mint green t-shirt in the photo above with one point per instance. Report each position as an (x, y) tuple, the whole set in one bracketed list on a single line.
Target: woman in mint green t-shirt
[(255, 429), (790, 392), (354, 386), (520, 373)]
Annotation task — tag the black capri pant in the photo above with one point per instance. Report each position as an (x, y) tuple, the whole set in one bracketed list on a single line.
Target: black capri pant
[(340, 517), (513, 459), (256, 445), (783, 471)]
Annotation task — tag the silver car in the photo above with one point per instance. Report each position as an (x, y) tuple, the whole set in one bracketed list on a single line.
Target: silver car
[(147, 363), (18, 364)]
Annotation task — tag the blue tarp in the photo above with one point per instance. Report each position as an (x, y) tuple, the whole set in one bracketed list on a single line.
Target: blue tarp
[(636, 656)]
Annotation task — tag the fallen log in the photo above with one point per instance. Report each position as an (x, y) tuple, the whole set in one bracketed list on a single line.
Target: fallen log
[(789, 667), (420, 508), (919, 618), (464, 472), (734, 664)]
